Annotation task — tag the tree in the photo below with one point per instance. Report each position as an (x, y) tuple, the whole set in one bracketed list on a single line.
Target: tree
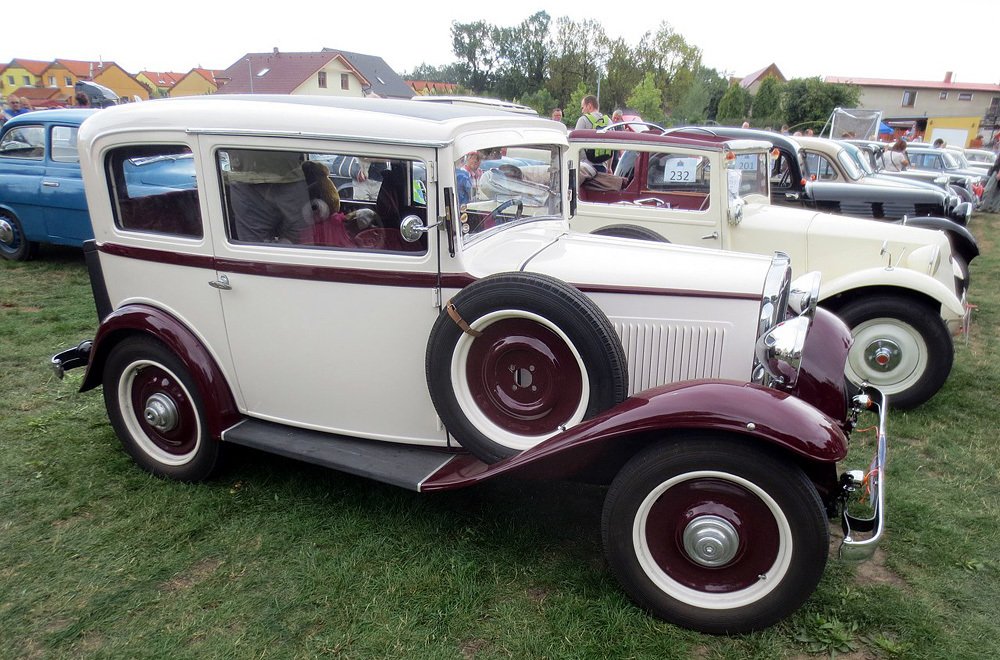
[(733, 106), (523, 56), (449, 73), (476, 46), (541, 101), (647, 100), (692, 108), (766, 108), (623, 74), (809, 101), (571, 110), (578, 53)]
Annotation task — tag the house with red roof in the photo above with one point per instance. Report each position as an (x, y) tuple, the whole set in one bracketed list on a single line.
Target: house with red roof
[(752, 82), (159, 82), (20, 73), (432, 87)]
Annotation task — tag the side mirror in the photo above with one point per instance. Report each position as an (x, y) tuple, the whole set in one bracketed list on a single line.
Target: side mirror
[(412, 228)]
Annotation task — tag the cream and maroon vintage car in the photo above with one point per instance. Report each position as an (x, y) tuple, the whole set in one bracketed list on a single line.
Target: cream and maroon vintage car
[(900, 288), (433, 342)]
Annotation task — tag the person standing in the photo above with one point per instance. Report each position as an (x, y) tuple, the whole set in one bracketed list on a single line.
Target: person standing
[(15, 107), (991, 196), (592, 118), (895, 158)]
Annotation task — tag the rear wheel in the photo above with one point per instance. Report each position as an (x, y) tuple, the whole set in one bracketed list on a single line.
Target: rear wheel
[(901, 346), (14, 245), (157, 411), (715, 535)]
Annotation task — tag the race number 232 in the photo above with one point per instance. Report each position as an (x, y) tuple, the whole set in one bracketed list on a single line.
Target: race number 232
[(680, 170)]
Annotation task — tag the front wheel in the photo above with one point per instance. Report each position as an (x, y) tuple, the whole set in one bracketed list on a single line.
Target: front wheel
[(901, 346), (157, 412), (715, 535)]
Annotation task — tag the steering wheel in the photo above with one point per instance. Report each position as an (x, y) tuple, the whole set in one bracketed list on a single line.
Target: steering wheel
[(491, 219)]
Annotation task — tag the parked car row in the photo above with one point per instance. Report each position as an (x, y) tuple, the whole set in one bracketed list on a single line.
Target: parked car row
[(434, 342)]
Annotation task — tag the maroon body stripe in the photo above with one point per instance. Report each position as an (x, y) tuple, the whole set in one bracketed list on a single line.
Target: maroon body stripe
[(373, 277)]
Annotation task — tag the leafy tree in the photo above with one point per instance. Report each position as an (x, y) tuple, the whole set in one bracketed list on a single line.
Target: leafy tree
[(578, 54), (477, 48), (733, 105), (449, 73), (571, 110), (692, 108), (647, 100), (541, 101), (523, 56), (716, 84), (809, 101), (623, 74), (766, 108)]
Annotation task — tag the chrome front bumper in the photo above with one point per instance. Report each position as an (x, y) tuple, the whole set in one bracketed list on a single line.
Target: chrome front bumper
[(853, 547)]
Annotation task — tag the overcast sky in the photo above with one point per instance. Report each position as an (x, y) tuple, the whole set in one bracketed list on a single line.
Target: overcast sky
[(870, 39)]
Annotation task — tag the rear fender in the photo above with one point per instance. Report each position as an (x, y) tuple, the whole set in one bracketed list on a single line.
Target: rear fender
[(772, 419), (220, 406)]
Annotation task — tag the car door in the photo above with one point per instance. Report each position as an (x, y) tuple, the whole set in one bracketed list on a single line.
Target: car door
[(327, 321), (66, 218), (22, 166)]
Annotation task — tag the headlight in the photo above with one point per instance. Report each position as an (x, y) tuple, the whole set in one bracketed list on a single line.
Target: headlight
[(775, 294), (804, 294), (942, 181), (926, 259), (779, 352)]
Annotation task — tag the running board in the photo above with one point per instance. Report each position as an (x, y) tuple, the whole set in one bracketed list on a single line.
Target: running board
[(407, 466)]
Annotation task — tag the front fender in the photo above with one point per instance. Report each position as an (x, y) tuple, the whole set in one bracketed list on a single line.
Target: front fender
[(901, 278), (220, 407), (963, 243), (758, 414)]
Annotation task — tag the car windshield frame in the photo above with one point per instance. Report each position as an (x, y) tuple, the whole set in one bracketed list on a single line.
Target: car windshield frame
[(860, 159), (754, 168), (847, 163)]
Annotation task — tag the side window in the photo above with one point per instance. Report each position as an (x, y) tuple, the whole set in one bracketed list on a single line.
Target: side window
[(23, 142), (154, 190), (821, 167), (322, 200), (64, 144)]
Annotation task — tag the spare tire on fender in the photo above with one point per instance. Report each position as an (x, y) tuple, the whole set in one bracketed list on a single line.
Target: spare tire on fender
[(514, 358)]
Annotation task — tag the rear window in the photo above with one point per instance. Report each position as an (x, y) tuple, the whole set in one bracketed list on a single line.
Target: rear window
[(153, 189)]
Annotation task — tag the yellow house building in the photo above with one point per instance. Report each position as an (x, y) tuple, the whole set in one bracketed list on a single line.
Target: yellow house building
[(108, 74), (196, 82), (160, 82), (22, 73)]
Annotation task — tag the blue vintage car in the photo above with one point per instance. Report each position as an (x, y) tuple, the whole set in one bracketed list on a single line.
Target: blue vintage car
[(41, 190)]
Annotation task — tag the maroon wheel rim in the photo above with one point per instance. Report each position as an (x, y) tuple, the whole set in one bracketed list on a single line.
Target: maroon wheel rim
[(712, 498), (523, 377), (181, 437)]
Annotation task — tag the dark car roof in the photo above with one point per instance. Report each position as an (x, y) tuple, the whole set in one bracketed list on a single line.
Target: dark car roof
[(777, 139), (68, 116), (687, 136)]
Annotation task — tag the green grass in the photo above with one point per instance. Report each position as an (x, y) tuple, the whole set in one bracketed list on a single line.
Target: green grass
[(280, 559)]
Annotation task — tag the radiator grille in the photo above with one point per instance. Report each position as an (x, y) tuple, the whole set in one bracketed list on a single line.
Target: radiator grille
[(660, 353)]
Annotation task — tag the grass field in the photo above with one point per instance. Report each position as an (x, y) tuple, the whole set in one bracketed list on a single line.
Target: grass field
[(276, 559)]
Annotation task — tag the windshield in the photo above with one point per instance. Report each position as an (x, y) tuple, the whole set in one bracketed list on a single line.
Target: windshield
[(503, 185), (847, 162), (859, 158), (748, 174), (951, 162)]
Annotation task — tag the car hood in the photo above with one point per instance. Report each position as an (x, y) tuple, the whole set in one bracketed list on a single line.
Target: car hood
[(877, 190), (605, 262)]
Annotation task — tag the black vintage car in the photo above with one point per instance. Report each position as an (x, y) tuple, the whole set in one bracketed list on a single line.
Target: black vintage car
[(873, 155), (805, 178)]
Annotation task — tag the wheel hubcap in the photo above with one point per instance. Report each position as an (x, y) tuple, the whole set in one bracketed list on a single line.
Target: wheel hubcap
[(883, 355), (161, 413), (6, 232), (711, 541)]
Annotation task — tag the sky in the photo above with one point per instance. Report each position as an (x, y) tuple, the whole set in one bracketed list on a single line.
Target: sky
[(843, 38)]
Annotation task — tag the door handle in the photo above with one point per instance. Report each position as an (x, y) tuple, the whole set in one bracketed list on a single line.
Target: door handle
[(50, 184), (714, 235), (222, 283)]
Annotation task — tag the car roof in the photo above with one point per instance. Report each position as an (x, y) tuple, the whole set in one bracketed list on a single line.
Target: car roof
[(62, 116), (403, 121), (688, 136)]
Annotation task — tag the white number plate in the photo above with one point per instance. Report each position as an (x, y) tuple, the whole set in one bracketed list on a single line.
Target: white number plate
[(681, 170)]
